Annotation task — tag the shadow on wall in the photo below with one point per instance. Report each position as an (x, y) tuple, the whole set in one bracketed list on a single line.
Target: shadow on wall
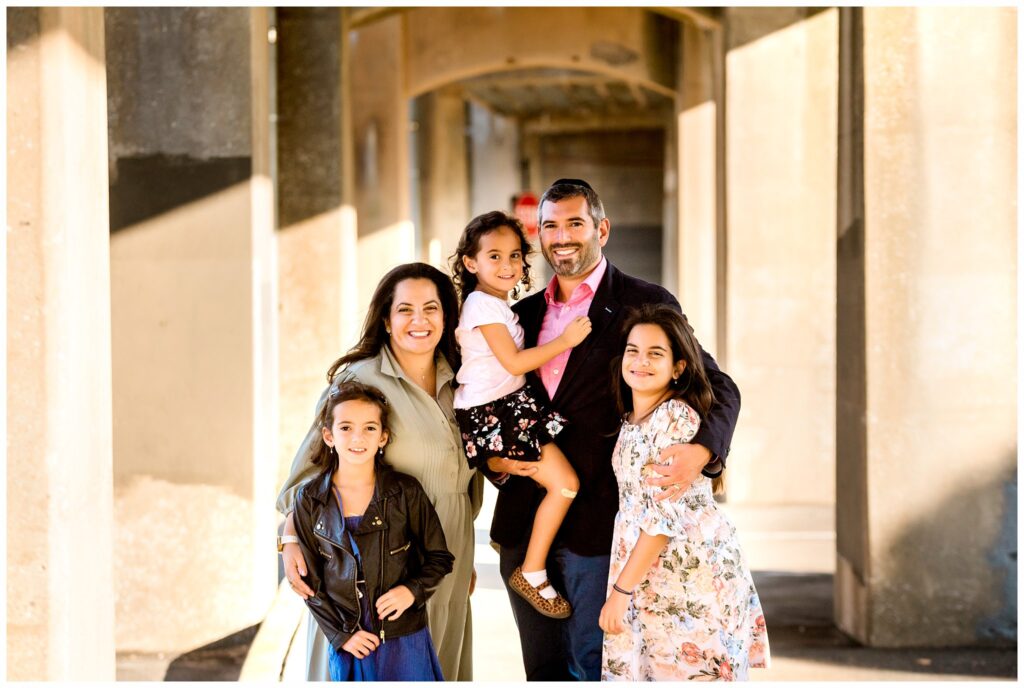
[(798, 612), (955, 561), (220, 660)]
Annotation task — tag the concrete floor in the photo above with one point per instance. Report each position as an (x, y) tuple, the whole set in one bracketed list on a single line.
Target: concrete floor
[(792, 562)]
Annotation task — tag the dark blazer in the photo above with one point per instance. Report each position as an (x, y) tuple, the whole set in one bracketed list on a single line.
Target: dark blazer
[(585, 398)]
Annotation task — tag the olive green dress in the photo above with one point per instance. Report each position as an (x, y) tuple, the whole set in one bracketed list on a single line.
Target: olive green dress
[(427, 445)]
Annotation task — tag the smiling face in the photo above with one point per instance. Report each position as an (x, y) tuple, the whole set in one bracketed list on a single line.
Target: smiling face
[(416, 320), (647, 365), (570, 241), (356, 431), (498, 263)]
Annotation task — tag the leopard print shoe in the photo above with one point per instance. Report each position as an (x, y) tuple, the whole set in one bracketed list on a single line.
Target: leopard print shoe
[(557, 608)]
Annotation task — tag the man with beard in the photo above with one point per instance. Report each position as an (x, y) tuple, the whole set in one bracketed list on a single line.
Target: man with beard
[(573, 229)]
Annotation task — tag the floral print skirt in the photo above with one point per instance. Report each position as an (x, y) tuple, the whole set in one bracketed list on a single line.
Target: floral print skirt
[(514, 427), (697, 615)]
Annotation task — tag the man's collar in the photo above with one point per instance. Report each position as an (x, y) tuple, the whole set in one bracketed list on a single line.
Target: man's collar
[(592, 282)]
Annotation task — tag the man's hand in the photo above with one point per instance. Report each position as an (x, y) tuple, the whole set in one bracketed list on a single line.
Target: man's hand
[(512, 467), (678, 466), (472, 582)]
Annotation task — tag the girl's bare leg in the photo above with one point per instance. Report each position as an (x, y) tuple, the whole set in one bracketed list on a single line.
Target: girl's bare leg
[(556, 476)]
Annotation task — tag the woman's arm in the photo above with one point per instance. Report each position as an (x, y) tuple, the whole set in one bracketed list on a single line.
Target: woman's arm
[(644, 554), (518, 362)]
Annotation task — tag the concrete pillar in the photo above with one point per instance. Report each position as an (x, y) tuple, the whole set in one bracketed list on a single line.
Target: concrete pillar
[(927, 534), (692, 260), (380, 126), (781, 211), (60, 597), (495, 171), (316, 234), (194, 323), (443, 174)]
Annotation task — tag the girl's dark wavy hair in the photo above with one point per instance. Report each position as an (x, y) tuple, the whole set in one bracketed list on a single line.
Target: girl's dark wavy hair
[(693, 385), (374, 336), (469, 246), (340, 392)]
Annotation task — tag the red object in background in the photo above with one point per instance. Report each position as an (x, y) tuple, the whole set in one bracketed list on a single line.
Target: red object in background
[(524, 207)]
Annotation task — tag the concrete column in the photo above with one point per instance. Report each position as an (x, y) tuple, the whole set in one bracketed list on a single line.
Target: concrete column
[(691, 265), (380, 125), (443, 179), (316, 234), (60, 596), (194, 323), (927, 547), (781, 207), (495, 171)]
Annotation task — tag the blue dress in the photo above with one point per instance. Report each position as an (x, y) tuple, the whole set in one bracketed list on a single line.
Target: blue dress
[(405, 658)]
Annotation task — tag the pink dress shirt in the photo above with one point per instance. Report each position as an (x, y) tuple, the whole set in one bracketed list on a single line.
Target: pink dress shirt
[(557, 315)]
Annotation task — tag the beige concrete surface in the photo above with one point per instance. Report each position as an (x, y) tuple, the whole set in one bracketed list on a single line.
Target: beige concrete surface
[(608, 40), (193, 297), (380, 126), (692, 270), (781, 135), (442, 174), (60, 622), (936, 564)]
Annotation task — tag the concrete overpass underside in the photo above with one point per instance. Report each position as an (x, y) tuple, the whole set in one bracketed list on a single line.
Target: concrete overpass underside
[(201, 202)]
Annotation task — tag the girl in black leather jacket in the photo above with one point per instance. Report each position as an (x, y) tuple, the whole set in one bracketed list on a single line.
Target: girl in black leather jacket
[(373, 544)]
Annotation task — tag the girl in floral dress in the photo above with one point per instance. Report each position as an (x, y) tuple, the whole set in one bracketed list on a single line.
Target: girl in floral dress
[(681, 602)]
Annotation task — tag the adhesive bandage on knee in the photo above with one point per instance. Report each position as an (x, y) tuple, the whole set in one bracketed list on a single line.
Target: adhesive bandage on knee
[(568, 494)]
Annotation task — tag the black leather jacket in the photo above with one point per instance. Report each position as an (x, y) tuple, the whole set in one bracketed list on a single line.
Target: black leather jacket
[(400, 542)]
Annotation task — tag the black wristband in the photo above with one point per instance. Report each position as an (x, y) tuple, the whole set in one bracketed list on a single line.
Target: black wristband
[(616, 588)]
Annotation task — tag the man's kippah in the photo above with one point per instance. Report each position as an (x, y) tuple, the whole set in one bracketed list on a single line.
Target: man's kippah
[(573, 182)]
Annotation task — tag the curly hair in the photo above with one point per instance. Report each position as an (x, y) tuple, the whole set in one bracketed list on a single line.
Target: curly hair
[(469, 245)]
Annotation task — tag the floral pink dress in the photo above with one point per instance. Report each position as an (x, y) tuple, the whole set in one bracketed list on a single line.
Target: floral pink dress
[(697, 615)]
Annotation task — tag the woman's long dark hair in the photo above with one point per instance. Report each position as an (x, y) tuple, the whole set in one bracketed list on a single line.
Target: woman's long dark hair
[(374, 336), (469, 246), (692, 386), (325, 456)]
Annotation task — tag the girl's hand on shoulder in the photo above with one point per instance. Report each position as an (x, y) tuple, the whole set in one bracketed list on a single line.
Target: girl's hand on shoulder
[(613, 614), (394, 602), (361, 644)]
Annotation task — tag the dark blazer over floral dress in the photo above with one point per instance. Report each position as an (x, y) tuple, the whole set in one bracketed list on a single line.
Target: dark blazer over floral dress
[(585, 398)]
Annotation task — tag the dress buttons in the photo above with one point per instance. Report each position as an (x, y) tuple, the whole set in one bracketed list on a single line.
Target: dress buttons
[(555, 371)]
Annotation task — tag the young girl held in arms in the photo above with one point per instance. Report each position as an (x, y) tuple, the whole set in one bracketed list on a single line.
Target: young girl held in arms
[(374, 547), (681, 602), (499, 414)]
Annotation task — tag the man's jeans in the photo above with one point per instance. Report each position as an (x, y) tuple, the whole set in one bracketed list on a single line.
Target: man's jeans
[(569, 649)]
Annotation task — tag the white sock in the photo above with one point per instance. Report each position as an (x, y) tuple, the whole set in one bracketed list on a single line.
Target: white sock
[(535, 578)]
